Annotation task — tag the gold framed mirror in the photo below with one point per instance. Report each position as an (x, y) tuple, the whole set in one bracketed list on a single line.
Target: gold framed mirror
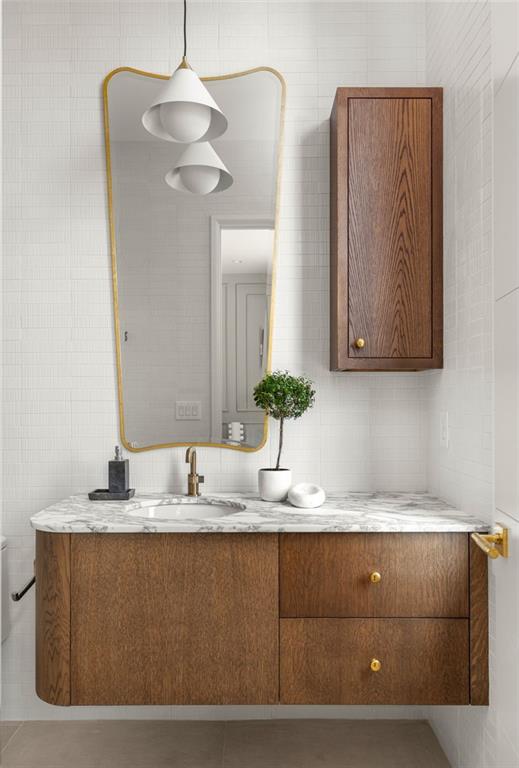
[(193, 275)]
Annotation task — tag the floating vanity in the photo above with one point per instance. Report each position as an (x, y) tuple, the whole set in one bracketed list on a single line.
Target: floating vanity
[(371, 599)]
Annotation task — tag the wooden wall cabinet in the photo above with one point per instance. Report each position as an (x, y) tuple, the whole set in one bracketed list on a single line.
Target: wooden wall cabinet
[(386, 229), (238, 618)]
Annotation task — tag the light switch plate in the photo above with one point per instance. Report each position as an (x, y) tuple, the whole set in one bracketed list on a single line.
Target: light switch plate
[(188, 410)]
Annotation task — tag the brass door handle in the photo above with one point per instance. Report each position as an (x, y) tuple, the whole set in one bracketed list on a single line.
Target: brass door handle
[(375, 577), (375, 665), (359, 343)]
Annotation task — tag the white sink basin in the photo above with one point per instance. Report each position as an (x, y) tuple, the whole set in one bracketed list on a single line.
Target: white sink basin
[(187, 510)]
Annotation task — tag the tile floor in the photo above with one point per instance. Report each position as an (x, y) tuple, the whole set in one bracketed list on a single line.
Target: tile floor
[(240, 744)]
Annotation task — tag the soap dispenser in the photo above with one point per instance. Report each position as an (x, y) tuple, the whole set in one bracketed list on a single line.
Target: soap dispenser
[(118, 481), (118, 473)]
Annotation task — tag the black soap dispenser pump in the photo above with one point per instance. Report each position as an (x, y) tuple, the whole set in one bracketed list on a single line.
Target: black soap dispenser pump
[(118, 481)]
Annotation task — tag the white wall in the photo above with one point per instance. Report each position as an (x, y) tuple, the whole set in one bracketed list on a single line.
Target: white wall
[(458, 58), (504, 715), (365, 432), (470, 50)]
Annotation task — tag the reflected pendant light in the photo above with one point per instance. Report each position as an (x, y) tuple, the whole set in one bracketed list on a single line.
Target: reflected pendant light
[(184, 110), (199, 170)]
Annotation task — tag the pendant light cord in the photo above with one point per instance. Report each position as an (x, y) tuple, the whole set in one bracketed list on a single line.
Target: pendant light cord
[(185, 29)]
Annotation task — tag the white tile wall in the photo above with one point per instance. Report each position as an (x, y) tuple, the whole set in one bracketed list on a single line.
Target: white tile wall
[(507, 393), (366, 431), (458, 58), (506, 189), (505, 613), (471, 49)]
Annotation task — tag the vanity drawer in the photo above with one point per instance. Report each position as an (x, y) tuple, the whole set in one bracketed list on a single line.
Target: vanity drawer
[(328, 661), (330, 575)]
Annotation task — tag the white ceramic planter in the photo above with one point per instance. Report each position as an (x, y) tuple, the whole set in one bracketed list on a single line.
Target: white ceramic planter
[(273, 484)]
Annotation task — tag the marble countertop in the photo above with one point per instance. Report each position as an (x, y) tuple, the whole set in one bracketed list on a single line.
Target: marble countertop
[(349, 512)]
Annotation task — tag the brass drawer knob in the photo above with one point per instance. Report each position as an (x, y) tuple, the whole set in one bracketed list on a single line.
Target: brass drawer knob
[(375, 577), (359, 343), (375, 665)]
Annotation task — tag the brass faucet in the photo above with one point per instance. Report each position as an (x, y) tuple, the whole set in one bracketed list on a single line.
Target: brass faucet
[(193, 480)]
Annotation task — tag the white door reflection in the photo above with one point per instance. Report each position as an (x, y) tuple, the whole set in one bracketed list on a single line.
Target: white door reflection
[(241, 281)]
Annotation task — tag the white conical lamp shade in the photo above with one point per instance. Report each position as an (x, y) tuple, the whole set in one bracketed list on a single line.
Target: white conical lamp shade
[(184, 110), (200, 171)]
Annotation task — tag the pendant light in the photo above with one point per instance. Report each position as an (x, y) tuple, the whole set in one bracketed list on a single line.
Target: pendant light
[(184, 110), (199, 170)]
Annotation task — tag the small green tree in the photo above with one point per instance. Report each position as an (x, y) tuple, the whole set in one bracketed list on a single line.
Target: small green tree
[(283, 396)]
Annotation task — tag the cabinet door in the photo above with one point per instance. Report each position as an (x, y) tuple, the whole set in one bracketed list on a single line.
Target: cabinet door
[(386, 229), (174, 618), (328, 661), (418, 574)]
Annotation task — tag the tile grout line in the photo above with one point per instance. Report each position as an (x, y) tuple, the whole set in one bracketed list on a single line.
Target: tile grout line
[(11, 737), (224, 742)]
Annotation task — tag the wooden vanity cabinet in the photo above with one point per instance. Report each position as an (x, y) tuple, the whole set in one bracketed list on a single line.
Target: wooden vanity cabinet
[(239, 618), (386, 229), (383, 618), (158, 619)]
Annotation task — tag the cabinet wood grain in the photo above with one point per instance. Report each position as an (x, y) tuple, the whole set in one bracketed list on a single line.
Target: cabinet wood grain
[(328, 574), (478, 626), (386, 228), (389, 227), (327, 661), (174, 619), (195, 618), (53, 617)]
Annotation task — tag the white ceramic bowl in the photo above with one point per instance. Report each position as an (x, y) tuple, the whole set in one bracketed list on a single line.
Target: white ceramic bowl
[(306, 495)]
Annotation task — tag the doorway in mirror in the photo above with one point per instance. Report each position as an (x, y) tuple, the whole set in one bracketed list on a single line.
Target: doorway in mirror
[(241, 283)]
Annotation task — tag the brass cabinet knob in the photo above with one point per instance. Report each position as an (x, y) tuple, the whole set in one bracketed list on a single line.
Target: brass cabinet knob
[(375, 665), (375, 577), (359, 343)]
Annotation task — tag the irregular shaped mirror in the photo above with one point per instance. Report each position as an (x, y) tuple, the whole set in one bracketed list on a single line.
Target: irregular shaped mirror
[(193, 273)]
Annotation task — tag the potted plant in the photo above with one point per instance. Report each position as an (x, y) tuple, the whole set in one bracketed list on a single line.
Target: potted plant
[(281, 396)]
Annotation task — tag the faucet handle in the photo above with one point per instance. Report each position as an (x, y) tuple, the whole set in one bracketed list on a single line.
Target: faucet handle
[(201, 478)]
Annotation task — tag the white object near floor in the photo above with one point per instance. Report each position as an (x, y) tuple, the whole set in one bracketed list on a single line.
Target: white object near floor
[(306, 495)]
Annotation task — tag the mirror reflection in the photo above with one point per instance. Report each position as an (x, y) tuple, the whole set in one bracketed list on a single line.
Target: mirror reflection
[(193, 272)]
